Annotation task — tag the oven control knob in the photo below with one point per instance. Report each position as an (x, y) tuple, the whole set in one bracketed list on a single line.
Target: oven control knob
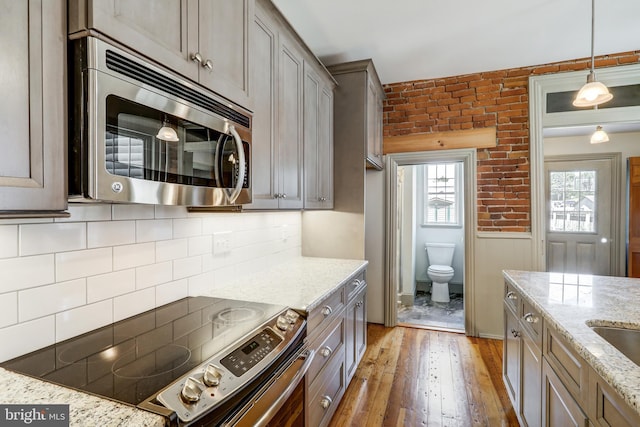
[(192, 390), (282, 323), (291, 316), (212, 375)]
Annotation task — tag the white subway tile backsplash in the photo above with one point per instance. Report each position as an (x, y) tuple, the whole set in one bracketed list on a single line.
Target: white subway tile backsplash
[(122, 212), (134, 303), (83, 319), (154, 274), (171, 291), (187, 227), (152, 230), (110, 233), (185, 267), (25, 337), (89, 262), (50, 238), (8, 241), (130, 256), (107, 262), (110, 285), (171, 249), (26, 272), (8, 309), (45, 300)]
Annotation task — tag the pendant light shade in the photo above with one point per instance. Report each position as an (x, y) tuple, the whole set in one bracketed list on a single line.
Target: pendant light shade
[(167, 133), (599, 136), (593, 92)]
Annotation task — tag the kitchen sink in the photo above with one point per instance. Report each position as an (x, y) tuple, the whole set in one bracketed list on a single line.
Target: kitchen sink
[(627, 341)]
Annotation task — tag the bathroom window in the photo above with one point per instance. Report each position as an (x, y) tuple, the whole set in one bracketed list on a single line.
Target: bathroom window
[(442, 194)]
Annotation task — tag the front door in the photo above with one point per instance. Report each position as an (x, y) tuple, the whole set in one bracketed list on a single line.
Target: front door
[(579, 214)]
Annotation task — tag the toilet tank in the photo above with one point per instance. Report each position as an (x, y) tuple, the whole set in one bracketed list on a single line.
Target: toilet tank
[(440, 253)]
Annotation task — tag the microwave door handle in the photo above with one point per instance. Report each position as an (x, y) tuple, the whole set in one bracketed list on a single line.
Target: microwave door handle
[(238, 188), (217, 161)]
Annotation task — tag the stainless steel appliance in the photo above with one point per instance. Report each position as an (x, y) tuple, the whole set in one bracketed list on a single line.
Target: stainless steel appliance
[(140, 134), (199, 360)]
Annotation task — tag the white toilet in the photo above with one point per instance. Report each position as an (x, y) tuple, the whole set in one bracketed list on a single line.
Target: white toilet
[(440, 270)]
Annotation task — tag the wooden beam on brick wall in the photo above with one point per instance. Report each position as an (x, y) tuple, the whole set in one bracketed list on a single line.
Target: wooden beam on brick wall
[(471, 138)]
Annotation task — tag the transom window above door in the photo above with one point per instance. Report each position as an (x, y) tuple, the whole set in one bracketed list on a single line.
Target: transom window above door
[(572, 201), (442, 194)]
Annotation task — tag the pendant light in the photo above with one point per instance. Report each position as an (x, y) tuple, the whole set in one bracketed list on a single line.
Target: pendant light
[(593, 92), (167, 133), (599, 136)]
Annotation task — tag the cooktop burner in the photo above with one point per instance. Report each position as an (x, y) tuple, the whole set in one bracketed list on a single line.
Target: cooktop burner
[(132, 359)]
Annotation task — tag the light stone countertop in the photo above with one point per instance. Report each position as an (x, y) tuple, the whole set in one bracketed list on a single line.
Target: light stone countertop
[(568, 301), (303, 283), (85, 410)]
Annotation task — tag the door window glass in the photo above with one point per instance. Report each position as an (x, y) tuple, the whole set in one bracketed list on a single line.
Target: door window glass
[(572, 201)]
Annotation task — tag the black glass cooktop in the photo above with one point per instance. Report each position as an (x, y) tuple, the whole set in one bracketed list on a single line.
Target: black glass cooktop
[(132, 359)]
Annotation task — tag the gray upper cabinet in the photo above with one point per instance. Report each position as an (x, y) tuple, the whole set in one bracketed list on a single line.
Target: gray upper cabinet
[(206, 41), (360, 93), (33, 112), (318, 139), (277, 82)]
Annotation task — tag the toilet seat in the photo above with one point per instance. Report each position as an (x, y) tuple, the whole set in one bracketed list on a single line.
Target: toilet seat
[(441, 269)]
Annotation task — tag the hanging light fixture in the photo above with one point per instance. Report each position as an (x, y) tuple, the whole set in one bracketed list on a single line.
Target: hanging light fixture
[(599, 136), (593, 92), (167, 133)]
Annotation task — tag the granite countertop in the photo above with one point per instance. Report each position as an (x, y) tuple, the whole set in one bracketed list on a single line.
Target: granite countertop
[(571, 303), (84, 409), (303, 283)]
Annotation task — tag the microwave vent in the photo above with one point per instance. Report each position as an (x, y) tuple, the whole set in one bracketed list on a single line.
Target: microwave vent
[(134, 70)]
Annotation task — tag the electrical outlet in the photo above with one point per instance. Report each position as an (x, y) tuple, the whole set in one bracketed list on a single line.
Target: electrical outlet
[(221, 243)]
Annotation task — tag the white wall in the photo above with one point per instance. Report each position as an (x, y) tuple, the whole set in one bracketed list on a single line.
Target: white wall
[(60, 278)]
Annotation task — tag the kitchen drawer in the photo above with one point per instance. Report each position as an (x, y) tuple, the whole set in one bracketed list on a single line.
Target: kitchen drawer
[(326, 346), (567, 364), (354, 286), (531, 322), (512, 299), (326, 392), (321, 316)]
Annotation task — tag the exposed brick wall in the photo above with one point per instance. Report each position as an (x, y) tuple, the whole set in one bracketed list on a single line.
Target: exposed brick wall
[(495, 98)]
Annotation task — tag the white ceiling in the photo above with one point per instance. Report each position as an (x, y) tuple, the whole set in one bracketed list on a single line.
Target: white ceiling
[(425, 39)]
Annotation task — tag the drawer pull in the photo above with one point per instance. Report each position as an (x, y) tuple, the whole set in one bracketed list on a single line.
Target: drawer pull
[(515, 333), (326, 351), (325, 402), (529, 317), (326, 310), (512, 295), (356, 283)]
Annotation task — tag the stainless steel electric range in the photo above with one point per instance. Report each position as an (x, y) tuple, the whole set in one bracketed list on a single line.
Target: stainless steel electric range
[(196, 361)]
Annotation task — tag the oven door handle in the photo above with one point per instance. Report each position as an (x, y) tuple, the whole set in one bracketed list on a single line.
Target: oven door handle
[(241, 168), (262, 410)]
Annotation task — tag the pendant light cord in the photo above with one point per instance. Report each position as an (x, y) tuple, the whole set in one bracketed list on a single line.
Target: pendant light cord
[(593, 20)]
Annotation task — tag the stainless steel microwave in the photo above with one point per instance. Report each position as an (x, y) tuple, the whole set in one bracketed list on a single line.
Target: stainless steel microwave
[(141, 134)]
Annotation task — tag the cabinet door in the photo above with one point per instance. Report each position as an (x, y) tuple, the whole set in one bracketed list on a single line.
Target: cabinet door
[(34, 103), (558, 407), (318, 141), (531, 397), (164, 30), (289, 159), (224, 34), (355, 332), (264, 54), (511, 357), (374, 124), (361, 325)]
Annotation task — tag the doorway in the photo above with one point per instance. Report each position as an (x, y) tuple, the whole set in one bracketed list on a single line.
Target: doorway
[(582, 199), (406, 256)]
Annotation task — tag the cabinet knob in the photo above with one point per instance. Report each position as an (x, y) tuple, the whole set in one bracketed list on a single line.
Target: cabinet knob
[(326, 310), (515, 333), (326, 351), (277, 196), (325, 402), (531, 318), (196, 57), (208, 64), (283, 195), (512, 295)]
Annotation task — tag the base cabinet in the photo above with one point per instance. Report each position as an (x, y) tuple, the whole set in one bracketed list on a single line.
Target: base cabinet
[(559, 408), (356, 330)]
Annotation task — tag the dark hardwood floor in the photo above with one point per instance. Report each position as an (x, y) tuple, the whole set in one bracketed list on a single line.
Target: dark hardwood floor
[(418, 377)]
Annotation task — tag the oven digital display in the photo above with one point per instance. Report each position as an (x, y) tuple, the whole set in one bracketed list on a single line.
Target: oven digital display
[(252, 346)]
